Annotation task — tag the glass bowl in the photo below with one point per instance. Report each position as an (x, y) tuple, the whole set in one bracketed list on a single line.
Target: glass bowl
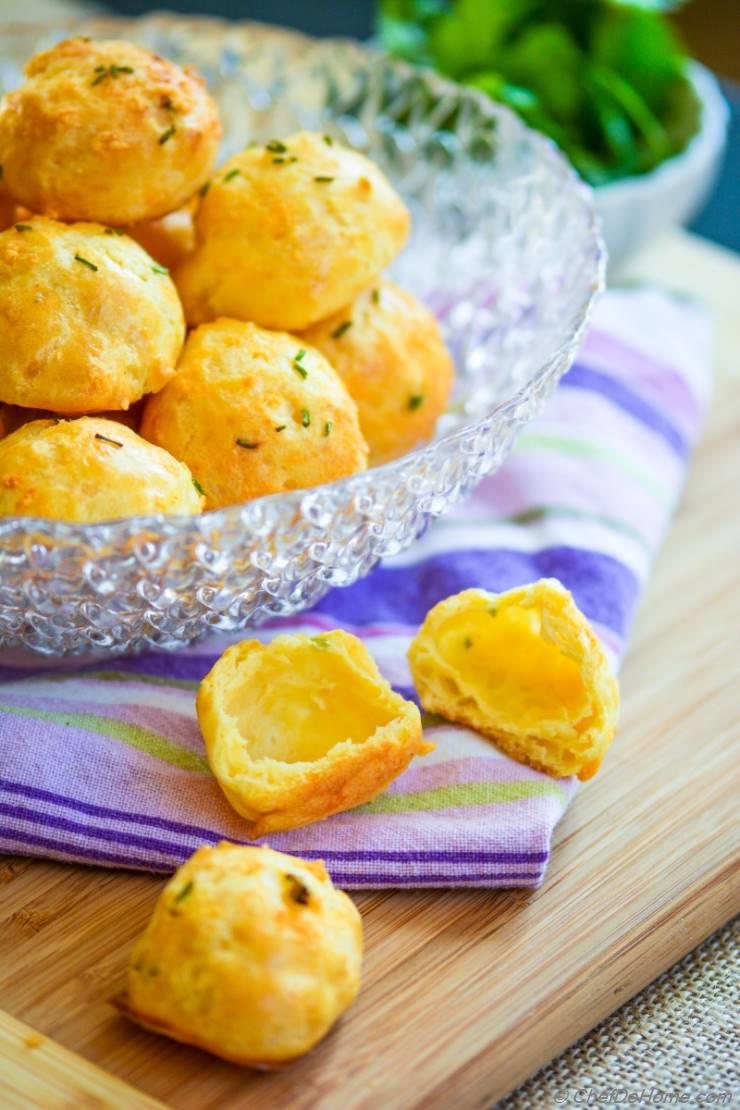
[(505, 249)]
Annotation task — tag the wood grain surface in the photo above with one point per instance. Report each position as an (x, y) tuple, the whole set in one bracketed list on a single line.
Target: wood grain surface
[(465, 993), (35, 1071)]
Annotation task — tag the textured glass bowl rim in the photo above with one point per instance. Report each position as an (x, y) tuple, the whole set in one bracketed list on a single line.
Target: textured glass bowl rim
[(123, 528)]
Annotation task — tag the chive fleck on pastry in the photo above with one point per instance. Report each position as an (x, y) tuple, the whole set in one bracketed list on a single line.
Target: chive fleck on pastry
[(303, 727), (250, 954), (288, 232), (254, 412), (88, 320), (387, 348), (107, 131), (525, 669), (88, 470)]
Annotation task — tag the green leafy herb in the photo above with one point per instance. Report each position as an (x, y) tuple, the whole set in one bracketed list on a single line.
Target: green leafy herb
[(323, 179), (107, 439), (607, 80), (249, 444), (297, 890), (198, 487), (375, 296), (23, 227), (86, 262), (341, 329), (305, 418), (328, 140), (167, 135), (157, 269), (231, 175), (278, 161), (276, 146), (327, 428), (321, 641), (281, 427), (204, 188), (186, 891), (416, 400)]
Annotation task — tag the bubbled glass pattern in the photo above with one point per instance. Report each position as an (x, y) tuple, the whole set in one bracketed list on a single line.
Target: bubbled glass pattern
[(505, 249)]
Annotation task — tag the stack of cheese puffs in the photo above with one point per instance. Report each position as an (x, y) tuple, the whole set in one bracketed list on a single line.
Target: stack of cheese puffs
[(302, 363)]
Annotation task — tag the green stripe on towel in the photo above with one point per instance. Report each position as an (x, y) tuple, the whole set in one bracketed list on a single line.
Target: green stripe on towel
[(569, 445), (134, 736), (463, 794), (541, 512)]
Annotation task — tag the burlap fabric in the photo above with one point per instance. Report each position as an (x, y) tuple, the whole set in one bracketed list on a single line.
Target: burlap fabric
[(675, 1044)]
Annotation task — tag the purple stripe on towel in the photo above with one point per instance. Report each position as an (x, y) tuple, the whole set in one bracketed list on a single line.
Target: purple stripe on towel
[(210, 836), (152, 664), (13, 840), (106, 812), (603, 587), (582, 377), (95, 832), (437, 878), (664, 383), (10, 840)]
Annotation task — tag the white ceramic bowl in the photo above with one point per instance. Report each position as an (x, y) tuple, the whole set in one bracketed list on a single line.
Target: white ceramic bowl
[(634, 210)]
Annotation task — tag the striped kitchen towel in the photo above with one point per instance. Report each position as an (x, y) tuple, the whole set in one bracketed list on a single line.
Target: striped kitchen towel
[(106, 765)]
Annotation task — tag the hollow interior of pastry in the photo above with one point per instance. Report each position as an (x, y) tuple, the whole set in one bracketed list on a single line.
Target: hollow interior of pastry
[(514, 667), (296, 705)]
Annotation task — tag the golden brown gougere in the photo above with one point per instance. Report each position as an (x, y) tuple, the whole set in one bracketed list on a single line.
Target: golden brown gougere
[(254, 412), (387, 348), (88, 470), (288, 232), (88, 320), (106, 131), (303, 727), (525, 669), (250, 954)]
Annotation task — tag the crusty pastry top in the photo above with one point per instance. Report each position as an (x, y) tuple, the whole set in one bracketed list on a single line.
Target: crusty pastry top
[(107, 131), (288, 232), (88, 320)]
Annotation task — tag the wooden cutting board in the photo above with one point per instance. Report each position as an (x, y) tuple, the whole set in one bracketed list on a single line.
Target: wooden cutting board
[(466, 992)]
